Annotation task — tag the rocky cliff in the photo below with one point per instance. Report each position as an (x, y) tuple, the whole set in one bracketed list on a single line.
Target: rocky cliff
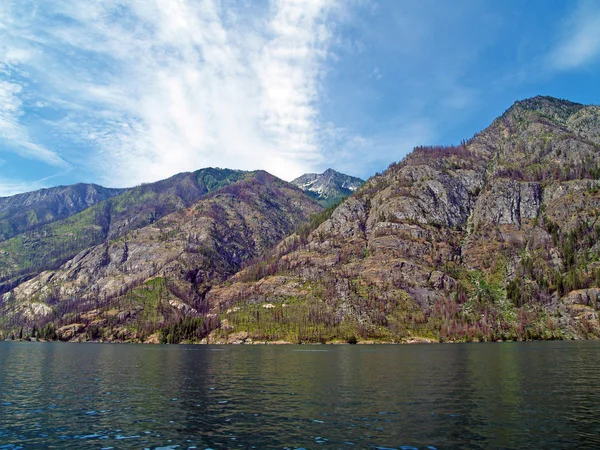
[(496, 238)]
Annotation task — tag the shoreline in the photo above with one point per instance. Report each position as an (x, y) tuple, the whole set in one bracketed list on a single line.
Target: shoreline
[(335, 343)]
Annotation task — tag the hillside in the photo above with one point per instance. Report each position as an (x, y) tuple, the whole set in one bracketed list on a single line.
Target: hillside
[(157, 275), (329, 187), (49, 246), (24, 212), (493, 239)]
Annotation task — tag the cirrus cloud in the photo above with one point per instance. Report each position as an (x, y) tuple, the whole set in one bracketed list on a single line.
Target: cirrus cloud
[(580, 41), (146, 89)]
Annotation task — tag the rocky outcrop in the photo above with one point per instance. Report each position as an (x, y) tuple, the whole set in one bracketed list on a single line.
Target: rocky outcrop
[(508, 202), (493, 239)]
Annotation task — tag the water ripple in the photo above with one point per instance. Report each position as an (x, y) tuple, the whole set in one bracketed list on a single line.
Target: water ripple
[(385, 397)]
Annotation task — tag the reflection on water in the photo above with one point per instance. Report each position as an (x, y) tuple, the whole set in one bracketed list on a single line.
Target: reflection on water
[(540, 395)]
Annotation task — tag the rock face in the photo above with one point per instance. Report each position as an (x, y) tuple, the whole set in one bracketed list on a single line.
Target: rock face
[(328, 187), (159, 273), (493, 239), (508, 202)]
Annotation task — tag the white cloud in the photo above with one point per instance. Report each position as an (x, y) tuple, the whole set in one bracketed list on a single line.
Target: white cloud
[(13, 135), (289, 69), (158, 87), (580, 42)]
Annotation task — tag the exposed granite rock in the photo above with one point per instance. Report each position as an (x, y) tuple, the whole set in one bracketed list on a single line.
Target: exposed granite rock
[(508, 202)]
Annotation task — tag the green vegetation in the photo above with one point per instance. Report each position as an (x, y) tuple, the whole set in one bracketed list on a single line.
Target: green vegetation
[(189, 329), (51, 245), (27, 212)]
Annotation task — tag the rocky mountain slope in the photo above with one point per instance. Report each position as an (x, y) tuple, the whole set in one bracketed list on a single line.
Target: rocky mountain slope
[(496, 238), (24, 212), (49, 246), (329, 187), (156, 275), (493, 239)]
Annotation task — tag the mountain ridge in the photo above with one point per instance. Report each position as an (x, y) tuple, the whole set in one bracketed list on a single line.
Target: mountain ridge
[(468, 242), (24, 212), (177, 258), (47, 247), (493, 239)]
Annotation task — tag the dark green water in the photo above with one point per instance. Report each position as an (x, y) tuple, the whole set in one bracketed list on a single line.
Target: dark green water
[(516, 395)]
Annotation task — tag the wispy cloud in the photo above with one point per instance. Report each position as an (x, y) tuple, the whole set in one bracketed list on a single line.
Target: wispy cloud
[(13, 135), (131, 91), (157, 87), (10, 186), (580, 41)]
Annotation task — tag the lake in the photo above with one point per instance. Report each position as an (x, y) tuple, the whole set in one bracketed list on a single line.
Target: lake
[(497, 395)]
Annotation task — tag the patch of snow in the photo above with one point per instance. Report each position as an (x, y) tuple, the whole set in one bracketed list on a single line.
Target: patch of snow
[(310, 183)]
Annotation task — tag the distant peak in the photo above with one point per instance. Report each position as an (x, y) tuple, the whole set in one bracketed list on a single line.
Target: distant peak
[(329, 186)]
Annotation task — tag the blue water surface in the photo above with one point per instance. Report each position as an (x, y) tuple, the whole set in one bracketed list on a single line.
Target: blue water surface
[(102, 396)]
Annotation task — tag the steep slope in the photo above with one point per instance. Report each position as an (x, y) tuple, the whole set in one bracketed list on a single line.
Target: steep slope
[(157, 275), (47, 247), (494, 239), (329, 187), (24, 212)]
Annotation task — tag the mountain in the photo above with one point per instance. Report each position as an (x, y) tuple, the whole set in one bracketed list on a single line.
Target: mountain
[(47, 247), (24, 212), (494, 239), (329, 187), (157, 275)]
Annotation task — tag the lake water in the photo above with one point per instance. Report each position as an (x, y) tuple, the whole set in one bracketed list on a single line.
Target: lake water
[(512, 395)]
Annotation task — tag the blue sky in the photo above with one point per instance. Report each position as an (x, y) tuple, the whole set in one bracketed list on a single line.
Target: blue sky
[(124, 92)]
